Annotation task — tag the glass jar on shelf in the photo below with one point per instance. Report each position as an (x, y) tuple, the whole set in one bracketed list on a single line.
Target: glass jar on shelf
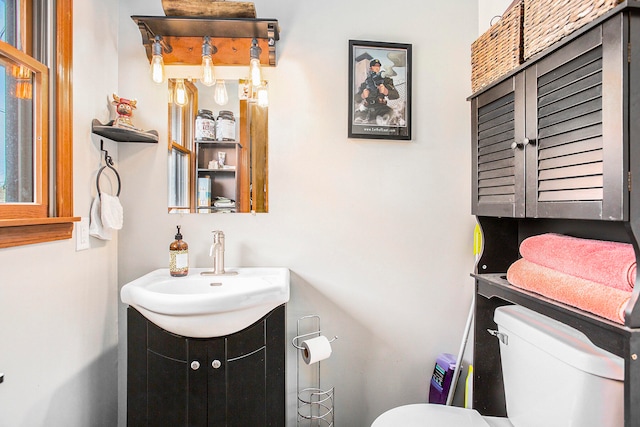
[(205, 126), (226, 126)]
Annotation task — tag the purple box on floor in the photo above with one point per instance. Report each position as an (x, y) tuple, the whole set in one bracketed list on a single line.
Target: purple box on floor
[(441, 378)]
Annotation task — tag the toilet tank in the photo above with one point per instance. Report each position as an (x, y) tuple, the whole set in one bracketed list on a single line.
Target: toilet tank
[(554, 375)]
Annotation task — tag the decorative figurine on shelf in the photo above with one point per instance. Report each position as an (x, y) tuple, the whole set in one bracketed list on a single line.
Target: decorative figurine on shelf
[(121, 129), (124, 108)]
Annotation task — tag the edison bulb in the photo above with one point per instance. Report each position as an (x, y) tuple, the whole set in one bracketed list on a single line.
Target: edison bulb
[(157, 69), (220, 95), (255, 72), (181, 93), (208, 76), (263, 96)]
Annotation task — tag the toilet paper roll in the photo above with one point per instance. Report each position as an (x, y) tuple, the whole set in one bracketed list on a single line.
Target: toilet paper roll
[(315, 349)]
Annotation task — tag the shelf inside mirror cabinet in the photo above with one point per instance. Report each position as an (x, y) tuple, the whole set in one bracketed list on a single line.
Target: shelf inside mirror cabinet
[(119, 134)]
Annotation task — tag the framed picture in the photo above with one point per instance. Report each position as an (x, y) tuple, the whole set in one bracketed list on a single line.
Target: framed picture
[(379, 90)]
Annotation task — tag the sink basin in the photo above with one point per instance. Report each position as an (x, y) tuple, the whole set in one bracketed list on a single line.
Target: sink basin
[(201, 306)]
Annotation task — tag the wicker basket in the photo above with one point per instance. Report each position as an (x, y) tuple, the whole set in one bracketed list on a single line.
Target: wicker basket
[(547, 21), (499, 49)]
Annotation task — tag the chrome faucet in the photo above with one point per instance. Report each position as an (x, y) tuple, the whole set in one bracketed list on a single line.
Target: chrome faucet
[(217, 253)]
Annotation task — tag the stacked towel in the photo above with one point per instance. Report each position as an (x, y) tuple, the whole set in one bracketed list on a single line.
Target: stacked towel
[(610, 263), (587, 295), (593, 275), (224, 202)]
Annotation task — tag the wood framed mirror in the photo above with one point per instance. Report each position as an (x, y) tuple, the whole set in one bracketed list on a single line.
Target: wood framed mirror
[(218, 148)]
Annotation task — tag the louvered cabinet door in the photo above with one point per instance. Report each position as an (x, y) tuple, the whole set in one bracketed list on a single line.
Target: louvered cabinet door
[(576, 165), (497, 128)]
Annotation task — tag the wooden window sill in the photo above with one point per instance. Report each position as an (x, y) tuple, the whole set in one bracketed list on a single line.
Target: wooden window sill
[(17, 232)]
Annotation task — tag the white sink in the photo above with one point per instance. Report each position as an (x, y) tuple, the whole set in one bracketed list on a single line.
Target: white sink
[(201, 306)]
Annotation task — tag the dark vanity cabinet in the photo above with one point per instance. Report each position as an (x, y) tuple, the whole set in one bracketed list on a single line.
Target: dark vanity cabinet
[(556, 149), (236, 380), (548, 141)]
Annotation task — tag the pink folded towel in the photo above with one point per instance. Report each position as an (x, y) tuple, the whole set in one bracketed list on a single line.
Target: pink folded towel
[(586, 295), (610, 263)]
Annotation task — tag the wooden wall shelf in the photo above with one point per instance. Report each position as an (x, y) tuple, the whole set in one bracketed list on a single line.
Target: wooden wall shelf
[(121, 134)]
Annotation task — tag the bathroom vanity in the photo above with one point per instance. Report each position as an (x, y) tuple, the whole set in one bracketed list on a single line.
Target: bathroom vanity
[(234, 380), (207, 349), (556, 149)]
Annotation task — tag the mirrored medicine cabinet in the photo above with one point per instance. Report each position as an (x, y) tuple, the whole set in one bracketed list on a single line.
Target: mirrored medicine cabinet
[(227, 173), (223, 169)]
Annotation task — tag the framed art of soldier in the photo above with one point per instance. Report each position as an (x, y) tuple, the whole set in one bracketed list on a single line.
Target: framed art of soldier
[(379, 90)]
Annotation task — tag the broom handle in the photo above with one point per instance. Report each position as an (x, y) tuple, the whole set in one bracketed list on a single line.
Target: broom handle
[(463, 345)]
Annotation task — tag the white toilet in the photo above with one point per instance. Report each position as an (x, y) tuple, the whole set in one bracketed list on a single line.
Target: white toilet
[(553, 377)]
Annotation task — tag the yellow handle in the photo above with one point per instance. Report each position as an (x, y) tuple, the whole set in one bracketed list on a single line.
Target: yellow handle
[(477, 241), (468, 391)]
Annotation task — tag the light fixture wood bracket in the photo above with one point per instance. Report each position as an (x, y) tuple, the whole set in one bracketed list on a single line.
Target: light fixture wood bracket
[(182, 38)]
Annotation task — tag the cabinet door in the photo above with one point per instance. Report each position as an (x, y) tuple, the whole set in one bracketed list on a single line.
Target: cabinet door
[(157, 376), (167, 373), (576, 164), (276, 343), (246, 400), (136, 369), (241, 389), (497, 123)]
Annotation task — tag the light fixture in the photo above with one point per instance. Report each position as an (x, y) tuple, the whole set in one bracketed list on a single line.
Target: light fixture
[(157, 63), (262, 95), (208, 75), (220, 95), (180, 96), (254, 64)]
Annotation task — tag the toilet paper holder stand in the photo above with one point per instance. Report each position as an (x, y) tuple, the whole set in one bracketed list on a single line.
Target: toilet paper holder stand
[(315, 405)]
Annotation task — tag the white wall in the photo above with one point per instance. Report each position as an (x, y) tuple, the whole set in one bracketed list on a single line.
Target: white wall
[(377, 234), (58, 307)]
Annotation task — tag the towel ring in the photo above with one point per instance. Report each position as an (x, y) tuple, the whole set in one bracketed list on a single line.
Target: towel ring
[(109, 164)]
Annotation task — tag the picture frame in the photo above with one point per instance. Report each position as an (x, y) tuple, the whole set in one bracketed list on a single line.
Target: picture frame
[(379, 90)]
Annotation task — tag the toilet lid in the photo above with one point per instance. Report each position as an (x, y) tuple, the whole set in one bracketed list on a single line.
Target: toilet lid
[(424, 414)]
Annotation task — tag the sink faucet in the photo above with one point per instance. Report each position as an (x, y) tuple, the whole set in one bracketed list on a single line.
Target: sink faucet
[(217, 252)]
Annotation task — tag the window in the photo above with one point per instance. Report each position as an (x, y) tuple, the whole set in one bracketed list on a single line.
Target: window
[(181, 156), (23, 130), (35, 122)]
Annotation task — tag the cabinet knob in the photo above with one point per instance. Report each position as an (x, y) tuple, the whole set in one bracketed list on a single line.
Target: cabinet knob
[(216, 364), (516, 144), (195, 365), (524, 143)]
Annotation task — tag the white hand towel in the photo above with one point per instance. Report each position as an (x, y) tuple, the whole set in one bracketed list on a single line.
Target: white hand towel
[(96, 228), (111, 211)]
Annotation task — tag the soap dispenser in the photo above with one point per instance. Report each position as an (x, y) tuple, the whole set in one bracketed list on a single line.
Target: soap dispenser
[(178, 256)]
